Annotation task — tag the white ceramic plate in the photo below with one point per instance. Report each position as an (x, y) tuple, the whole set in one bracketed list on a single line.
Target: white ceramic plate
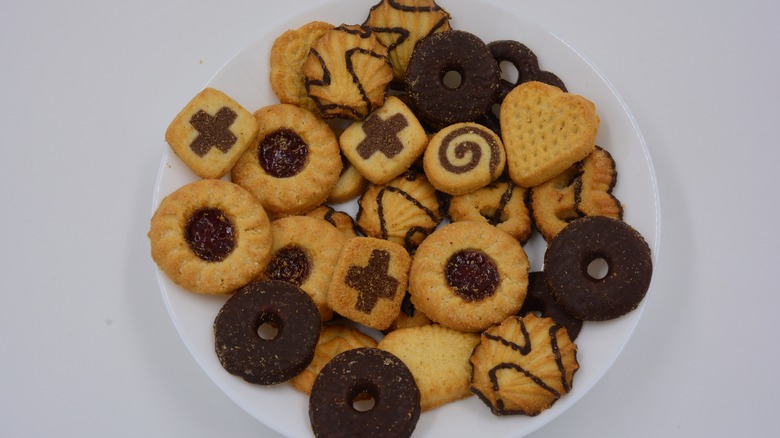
[(245, 78)]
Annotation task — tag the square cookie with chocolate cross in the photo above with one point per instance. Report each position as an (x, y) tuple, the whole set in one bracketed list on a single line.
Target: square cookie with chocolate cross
[(211, 132), (369, 282), (386, 143)]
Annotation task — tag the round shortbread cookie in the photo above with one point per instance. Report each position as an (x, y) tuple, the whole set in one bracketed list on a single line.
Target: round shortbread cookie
[(305, 252), (288, 53), (295, 164), (210, 236), (501, 204), (468, 276)]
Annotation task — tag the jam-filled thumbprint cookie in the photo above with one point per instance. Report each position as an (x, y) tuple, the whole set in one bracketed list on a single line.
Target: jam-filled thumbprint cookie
[(211, 236), (295, 162)]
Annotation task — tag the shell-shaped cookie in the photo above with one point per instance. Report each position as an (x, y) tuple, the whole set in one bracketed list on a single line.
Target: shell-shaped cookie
[(399, 25), (523, 365), (404, 211), (347, 72)]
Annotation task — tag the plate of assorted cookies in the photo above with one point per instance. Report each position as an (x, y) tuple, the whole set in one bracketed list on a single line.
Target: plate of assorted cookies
[(405, 217)]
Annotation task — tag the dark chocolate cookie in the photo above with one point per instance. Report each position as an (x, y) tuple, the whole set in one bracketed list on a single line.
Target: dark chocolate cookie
[(525, 62), (595, 297), (538, 299), (439, 101), (242, 350), (364, 375)]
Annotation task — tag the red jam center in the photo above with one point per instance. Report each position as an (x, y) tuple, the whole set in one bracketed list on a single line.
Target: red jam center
[(472, 274), (210, 234), (290, 264), (283, 153)]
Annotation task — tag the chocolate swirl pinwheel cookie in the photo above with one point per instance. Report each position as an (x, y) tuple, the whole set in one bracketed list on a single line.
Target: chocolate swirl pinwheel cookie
[(463, 157)]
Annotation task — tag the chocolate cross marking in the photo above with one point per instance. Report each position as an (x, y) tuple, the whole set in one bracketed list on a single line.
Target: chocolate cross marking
[(382, 136), (372, 281), (213, 131)]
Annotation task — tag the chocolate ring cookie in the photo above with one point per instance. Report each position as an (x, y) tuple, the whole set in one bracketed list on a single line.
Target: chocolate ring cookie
[(590, 297), (295, 163), (364, 374), (525, 62), (210, 236), (468, 276), (439, 102), (538, 300), (244, 352)]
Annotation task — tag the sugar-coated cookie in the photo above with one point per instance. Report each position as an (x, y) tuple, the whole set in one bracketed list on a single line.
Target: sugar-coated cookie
[(404, 211), (385, 144), (545, 130), (523, 365), (305, 252), (288, 53), (463, 157), (334, 339), (501, 204), (468, 276), (369, 281), (438, 358), (210, 236), (400, 24), (295, 163), (347, 73), (211, 133)]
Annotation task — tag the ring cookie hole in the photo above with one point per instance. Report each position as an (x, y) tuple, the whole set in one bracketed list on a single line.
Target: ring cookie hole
[(268, 327), (509, 72), (597, 268), (364, 398), (452, 78)]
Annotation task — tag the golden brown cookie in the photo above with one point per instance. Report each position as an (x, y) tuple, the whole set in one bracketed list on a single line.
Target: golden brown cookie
[(553, 201), (409, 316), (501, 204), (545, 130), (211, 133), (342, 221), (350, 184), (438, 358), (288, 53), (585, 189), (403, 211), (386, 143), (369, 281), (334, 339), (523, 365), (468, 276), (295, 162), (400, 24), (210, 236), (305, 252), (463, 157), (347, 73)]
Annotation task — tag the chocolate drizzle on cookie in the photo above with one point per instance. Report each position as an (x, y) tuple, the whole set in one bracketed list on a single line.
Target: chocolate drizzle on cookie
[(210, 234), (464, 147), (382, 136), (372, 281), (409, 241), (213, 131)]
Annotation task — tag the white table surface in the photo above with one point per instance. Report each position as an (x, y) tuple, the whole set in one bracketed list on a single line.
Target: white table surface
[(87, 348)]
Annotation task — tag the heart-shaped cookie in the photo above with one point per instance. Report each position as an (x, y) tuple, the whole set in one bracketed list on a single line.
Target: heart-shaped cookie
[(545, 130)]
